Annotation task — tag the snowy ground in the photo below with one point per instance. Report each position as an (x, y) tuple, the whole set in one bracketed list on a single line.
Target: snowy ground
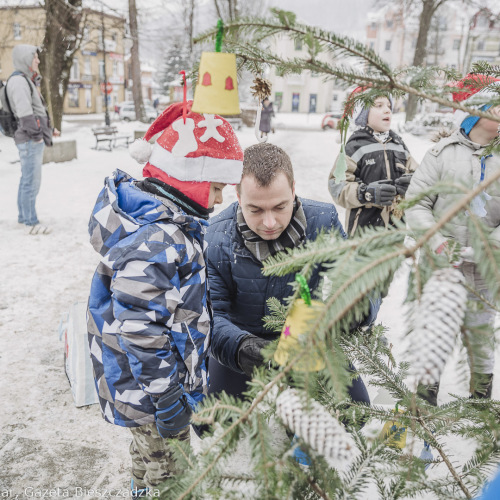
[(45, 441)]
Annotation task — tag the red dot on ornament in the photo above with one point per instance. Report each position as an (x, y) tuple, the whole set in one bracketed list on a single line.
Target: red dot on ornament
[(229, 83), (207, 79)]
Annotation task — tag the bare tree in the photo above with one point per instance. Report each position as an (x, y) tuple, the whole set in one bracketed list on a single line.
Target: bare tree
[(429, 8), (135, 63), (62, 39)]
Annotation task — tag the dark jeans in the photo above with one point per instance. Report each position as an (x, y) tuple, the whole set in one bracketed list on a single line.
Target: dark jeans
[(225, 379)]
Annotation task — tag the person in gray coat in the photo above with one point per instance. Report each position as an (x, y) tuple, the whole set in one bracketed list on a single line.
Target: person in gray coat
[(34, 131), (461, 158)]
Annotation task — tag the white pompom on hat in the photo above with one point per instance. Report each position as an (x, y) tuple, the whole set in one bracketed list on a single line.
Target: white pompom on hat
[(140, 150)]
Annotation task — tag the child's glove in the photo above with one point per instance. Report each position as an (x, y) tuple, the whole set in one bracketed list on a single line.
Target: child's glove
[(173, 412), (402, 183), (378, 192), (249, 353)]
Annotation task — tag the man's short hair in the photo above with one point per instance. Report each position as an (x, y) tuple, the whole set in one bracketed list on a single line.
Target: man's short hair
[(264, 161)]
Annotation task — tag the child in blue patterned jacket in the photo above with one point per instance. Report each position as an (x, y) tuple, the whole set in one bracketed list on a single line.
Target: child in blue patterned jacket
[(149, 312)]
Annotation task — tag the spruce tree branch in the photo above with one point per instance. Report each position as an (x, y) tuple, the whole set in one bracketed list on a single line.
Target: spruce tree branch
[(316, 487), (481, 297), (363, 80), (446, 460)]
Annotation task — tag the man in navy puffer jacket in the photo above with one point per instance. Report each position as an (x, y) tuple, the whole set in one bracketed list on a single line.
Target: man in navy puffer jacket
[(268, 218)]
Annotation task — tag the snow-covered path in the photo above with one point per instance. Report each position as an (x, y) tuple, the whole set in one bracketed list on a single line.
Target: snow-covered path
[(45, 441)]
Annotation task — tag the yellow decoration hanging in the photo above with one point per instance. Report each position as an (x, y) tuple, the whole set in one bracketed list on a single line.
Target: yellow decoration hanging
[(217, 88), (395, 433), (296, 325)]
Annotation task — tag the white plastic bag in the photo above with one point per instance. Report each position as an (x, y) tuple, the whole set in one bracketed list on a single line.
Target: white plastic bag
[(77, 363)]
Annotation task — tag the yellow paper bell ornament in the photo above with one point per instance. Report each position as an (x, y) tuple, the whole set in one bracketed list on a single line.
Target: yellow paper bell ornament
[(217, 88), (296, 325)]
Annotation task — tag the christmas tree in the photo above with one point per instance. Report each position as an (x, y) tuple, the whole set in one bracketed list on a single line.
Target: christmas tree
[(311, 405)]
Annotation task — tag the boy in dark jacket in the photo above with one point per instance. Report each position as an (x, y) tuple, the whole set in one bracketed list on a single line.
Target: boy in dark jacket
[(267, 219), (149, 313), (379, 167)]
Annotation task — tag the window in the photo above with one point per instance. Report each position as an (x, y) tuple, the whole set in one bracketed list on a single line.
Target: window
[(113, 36), (335, 97), (87, 66), (298, 44), (372, 45), (373, 26), (389, 23), (278, 99), (88, 98), (120, 68), (115, 68), (17, 31), (295, 102), (387, 45), (480, 45), (74, 74), (73, 95), (86, 34), (101, 70), (456, 44)]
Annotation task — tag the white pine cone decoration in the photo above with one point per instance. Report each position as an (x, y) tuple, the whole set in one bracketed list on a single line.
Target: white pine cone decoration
[(312, 423), (435, 323)]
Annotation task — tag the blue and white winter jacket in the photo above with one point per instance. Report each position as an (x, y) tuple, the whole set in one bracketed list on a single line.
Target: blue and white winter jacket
[(238, 288), (149, 312)]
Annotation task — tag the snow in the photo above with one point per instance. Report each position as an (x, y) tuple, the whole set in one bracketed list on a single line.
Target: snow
[(46, 441)]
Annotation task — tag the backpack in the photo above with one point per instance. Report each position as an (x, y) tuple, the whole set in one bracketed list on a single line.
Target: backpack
[(8, 121)]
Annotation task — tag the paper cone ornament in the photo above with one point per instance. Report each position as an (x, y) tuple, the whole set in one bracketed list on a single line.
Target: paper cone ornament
[(296, 325), (217, 88)]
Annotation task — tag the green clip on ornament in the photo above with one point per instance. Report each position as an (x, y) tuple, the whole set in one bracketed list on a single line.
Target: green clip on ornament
[(302, 312)]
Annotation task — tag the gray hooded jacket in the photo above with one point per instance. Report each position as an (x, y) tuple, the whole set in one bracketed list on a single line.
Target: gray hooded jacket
[(26, 103)]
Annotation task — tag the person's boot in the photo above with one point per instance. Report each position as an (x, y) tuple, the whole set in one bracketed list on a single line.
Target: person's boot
[(429, 393), (481, 385), (137, 492)]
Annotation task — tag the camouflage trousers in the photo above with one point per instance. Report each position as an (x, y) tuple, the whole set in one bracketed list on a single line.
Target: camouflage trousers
[(152, 461)]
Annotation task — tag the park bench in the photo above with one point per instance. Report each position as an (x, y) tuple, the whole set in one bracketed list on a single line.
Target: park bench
[(109, 135)]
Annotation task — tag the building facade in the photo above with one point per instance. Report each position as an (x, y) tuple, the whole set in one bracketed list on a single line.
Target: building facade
[(457, 36), (97, 55), (301, 93)]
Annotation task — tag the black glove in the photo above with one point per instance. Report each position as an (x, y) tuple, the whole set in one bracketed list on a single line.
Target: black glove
[(173, 413), (402, 183), (378, 192), (249, 355)]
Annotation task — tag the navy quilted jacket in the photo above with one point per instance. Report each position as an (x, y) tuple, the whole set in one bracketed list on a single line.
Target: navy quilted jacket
[(238, 289), (149, 313)]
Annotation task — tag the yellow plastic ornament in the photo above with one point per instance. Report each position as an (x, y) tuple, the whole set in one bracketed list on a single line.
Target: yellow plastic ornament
[(395, 433), (296, 325), (217, 88)]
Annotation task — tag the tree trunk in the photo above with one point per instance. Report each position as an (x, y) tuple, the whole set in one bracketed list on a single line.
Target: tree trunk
[(135, 63), (429, 7), (61, 41)]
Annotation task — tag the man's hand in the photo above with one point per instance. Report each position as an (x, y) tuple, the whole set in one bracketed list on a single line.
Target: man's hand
[(56, 132), (173, 413), (402, 183), (249, 353), (378, 192)]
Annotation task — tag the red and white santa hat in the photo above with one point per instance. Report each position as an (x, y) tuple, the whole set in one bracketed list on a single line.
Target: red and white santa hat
[(192, 148)]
